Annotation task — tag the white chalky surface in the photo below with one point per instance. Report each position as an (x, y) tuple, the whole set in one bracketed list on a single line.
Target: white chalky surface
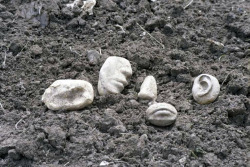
[(161, 114), (206, 89), (148, 89), (68, 95), (114, 75), (87, 5)]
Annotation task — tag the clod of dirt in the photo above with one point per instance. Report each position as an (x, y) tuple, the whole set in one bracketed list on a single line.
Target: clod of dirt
[(6, 15), (168, 29), (117, 130), (110, 123), (2, 8), (56, 136), (154, 22), (114, 75), (27, 148), (206, 89), (16, 47), (36, 50), (13, 154), (234, 105), (109, 5), (68, 95), (239, 86), (93, 57), (177, 54), (161, 114), (148, 89), (35, 12)]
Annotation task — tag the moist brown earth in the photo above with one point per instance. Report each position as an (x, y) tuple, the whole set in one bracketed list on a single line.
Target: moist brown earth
[(43, 41)]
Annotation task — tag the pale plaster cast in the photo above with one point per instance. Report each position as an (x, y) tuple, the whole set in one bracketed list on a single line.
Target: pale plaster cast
[(68, 95), (161, 114), (87, 5), (206, 89), (148, 90), (114, 75)]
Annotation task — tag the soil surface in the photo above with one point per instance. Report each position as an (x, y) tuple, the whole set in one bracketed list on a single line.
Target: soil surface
[(43, 41)]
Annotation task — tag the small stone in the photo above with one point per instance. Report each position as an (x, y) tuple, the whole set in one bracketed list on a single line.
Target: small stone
[(68, 95), (93, 57), (36, 50), (118, 20), (81, 22), (67, 13), (51, 60), (73, 23), (5, 148), (15, 47), (13, 154), (109, 122), (116, 130), (152, 23), (114, 75), (3, 27), (183, 43), (6, 15), (148, 89), (2, 8), (142, 141), (104, 163), (109, 5), (168, 29), (247, 53), (211, 159), (161, 114), (206, 89)]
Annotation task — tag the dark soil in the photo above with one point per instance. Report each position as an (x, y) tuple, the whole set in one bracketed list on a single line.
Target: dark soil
[(42, 41)]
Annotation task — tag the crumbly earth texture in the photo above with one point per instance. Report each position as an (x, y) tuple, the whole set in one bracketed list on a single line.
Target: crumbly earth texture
[(43, 41)]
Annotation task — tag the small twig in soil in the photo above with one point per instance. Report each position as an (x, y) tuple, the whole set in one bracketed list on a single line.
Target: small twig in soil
[(221, 57), (120, 28), (226, 77), (4, 61), (194, 154), (66, 164), (189, 3), (72, 50), (16, 125), (22, 49), (2, 107), (100, 51), (151, 36), (216, 42)]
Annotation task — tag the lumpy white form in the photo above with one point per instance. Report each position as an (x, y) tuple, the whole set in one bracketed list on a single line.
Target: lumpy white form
[(161, 114), (206, 89), (114, 75), (87, 5), (68, 95), (148, 90)]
